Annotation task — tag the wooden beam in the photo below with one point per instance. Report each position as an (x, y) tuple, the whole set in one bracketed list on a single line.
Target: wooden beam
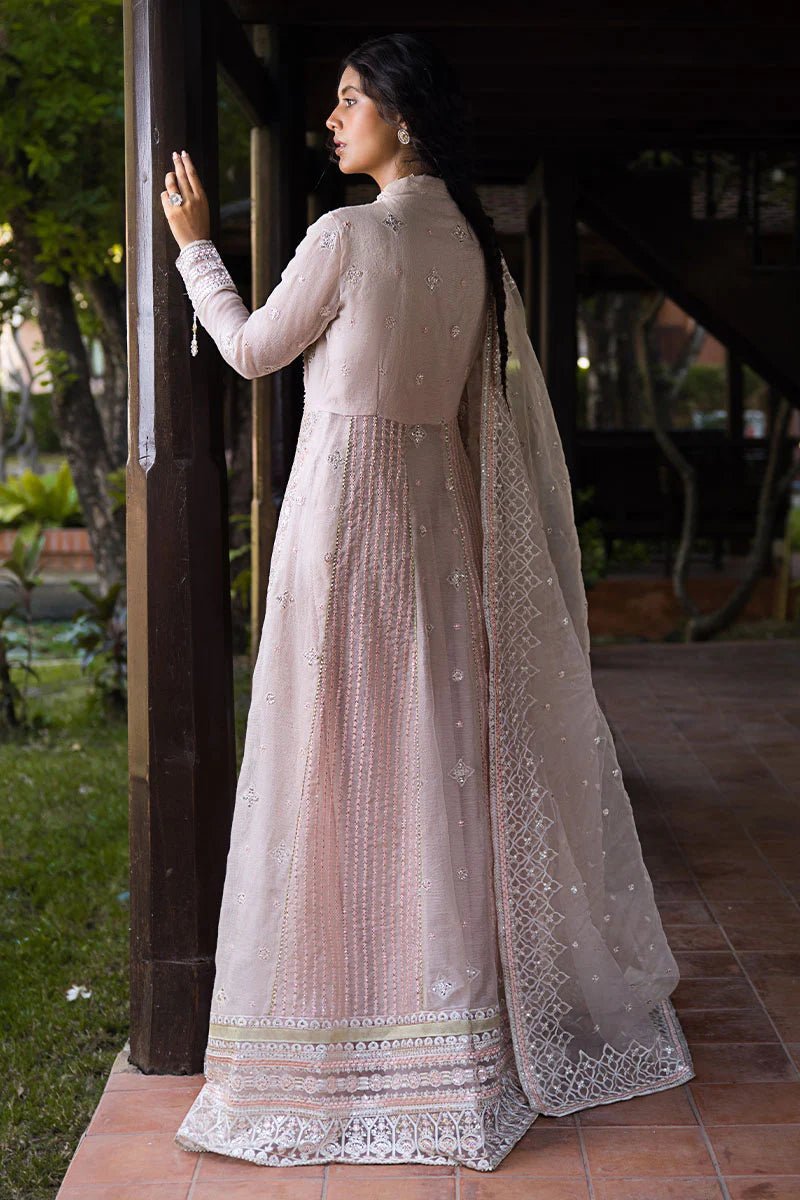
[(244, 72), (180, 725), (578, 19)]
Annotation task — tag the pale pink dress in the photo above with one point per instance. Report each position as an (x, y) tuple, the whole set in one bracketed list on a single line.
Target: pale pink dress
[(358, 1011)]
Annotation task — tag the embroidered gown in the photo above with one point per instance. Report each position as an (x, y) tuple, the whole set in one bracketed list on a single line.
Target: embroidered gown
[(359, 1010)]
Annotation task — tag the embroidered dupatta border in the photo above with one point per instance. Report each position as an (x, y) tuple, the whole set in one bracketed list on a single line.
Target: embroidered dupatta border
[(535, 1012)]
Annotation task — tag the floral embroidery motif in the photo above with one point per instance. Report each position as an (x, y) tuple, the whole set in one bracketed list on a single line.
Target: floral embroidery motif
[(417, 433), (455, 330), (336, 458), (251, 796), (461, 772), (312, 656), (280, 852), (353, 274), (328, 239), (263, 952), (433, 278), (270, 697), (418, 378), (463, 873), (274, 312), (392, 221), (442, 987), (457, 577), (458, 674), (285, 599), (459, 233), (390, 321)]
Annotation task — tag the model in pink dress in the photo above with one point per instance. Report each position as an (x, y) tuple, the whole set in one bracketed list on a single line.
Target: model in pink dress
[(436, 922)]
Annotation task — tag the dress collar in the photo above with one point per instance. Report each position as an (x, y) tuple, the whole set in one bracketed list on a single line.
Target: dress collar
[(413, 182)]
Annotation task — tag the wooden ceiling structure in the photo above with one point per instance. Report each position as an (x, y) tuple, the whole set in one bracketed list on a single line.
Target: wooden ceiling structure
[(547, 86)]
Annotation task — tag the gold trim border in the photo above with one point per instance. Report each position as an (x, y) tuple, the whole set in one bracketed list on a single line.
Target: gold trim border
[(352, 1033)]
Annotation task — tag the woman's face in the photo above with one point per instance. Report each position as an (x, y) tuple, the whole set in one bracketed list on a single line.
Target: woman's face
[(369, 145)]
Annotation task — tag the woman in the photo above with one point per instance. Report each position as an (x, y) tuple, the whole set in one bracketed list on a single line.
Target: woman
[(436, 921)]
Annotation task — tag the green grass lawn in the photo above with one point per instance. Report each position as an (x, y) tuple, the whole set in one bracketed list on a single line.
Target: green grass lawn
[(64, 921)]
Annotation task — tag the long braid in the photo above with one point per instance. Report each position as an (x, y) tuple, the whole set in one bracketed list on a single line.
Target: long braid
[(408, 77), (467, 199)]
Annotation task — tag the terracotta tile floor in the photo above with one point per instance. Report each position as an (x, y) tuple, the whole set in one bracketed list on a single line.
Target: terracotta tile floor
[(709, 742)]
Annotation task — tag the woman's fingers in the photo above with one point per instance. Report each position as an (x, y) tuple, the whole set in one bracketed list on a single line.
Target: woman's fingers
[(189, 220), (188, 181), (191, 173)]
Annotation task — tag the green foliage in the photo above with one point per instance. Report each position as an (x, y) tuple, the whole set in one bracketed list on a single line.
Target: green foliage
[(704, 389), (21, 570), (100, 637), (240, 582), (50, 499), (64, 921), (61, 131), (794, 528), (117, 487), (590, 538), (626, 553), (44, 431)]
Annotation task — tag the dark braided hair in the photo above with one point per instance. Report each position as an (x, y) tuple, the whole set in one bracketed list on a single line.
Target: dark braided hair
[(409, 79)]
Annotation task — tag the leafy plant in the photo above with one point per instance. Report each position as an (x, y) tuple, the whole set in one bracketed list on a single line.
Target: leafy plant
[(240, 582), (117, 486), (20, 569), (49, 499), (99, 635), (590, 537)]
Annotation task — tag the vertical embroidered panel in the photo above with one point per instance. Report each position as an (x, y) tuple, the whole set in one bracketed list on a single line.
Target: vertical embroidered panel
[(351, 938)]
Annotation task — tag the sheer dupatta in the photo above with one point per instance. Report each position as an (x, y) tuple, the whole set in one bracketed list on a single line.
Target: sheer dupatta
[(587, 968)]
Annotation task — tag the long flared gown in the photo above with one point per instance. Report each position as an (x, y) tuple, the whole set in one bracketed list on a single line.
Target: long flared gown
[(359, 1010)]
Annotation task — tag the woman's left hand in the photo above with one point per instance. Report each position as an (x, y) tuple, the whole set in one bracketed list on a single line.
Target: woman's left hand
[(190, 220)]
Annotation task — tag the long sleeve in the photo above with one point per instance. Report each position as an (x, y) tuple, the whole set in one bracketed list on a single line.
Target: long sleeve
[(295, 313)]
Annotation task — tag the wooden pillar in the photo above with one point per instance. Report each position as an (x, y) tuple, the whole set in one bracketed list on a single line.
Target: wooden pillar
[(181, 731), (288, 190), (263, 516), (735, 373), (554, 191)]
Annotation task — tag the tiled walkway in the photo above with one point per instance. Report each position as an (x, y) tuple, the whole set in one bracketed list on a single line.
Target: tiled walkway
[(709, 742)]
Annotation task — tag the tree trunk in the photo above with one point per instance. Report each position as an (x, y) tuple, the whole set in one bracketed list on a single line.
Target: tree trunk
[(78, 422), (23, 439), (108, 303), (702, 626), (688, 476), (773, 487)]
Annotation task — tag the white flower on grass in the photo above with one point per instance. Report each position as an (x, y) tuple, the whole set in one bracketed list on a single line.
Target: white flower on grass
[(77, 989)]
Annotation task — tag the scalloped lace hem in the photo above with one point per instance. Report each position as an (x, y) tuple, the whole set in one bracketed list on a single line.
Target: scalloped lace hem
[(469, 1137)]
